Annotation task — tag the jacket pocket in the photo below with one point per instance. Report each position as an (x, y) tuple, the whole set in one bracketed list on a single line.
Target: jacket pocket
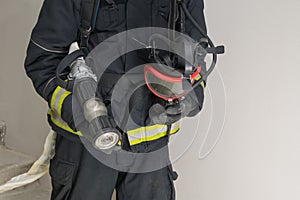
[(61, 173)]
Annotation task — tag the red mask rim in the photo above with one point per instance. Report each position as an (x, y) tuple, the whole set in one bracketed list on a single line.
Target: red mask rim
[(148, 68)]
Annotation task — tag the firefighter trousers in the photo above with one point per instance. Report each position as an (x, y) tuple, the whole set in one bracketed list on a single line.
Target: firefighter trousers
[(77, 175)]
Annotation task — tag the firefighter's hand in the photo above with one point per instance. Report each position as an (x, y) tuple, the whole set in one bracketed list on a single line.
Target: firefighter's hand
[(158, 115), (187, 105), (168, 113)]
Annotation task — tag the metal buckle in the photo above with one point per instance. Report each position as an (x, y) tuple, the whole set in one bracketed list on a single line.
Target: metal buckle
[(85, 33)]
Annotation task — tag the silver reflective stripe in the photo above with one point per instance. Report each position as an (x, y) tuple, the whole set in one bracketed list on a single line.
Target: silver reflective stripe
[(61, 123), (146, 133), (60, 120), (46, 49), (150, 133), (57, 99), (175, 126)]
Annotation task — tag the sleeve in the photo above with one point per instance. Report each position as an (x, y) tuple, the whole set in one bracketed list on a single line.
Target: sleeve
[(196, 8), (55, 30)]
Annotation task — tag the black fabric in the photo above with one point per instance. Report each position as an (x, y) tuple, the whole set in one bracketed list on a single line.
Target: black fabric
[(40, 66), (196, 8), (77, 175), (173, 14), (58, 25), (199, 94), (87, 13), (56, 28)]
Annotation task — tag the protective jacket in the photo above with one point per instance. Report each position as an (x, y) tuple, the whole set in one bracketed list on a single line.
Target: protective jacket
[(58, 26)]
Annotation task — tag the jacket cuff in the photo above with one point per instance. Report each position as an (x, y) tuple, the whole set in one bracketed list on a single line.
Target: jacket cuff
[(57, 100), (67, 113)]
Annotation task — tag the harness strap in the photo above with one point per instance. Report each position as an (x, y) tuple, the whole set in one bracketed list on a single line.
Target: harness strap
[(89, 12), (173, 18)]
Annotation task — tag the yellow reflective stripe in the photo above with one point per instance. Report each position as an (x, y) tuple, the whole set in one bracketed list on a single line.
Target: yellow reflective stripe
[(197, 77), (57, 99), (62, 124), (147, 131), (175, 127), (60, 102), (173, 131), (144, 129), (145, 139), (54, 97), (140, 135), (202, 82)]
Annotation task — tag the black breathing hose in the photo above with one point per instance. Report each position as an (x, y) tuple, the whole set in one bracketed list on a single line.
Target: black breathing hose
[(211, 44), (64, 64)]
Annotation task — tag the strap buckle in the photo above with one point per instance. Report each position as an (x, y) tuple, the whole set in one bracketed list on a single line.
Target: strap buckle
[(85, 34)]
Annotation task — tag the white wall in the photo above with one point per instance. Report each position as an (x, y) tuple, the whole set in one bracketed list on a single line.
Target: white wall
[(22, 109), (258, 154)]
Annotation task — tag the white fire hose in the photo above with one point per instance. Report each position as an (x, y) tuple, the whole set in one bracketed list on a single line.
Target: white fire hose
[(38, 169), (41, 166)]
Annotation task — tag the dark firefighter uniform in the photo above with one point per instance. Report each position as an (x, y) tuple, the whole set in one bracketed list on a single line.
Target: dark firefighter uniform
[(76, 174)]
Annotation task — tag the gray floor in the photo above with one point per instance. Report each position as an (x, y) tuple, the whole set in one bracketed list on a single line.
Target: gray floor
[(13, 163), (39, 190)]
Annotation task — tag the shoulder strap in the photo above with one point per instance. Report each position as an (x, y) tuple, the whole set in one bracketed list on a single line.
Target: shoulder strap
[(173, 14), (173, 17), (88, 14)]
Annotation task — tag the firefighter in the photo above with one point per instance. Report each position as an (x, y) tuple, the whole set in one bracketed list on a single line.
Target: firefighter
[(75, 173)]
